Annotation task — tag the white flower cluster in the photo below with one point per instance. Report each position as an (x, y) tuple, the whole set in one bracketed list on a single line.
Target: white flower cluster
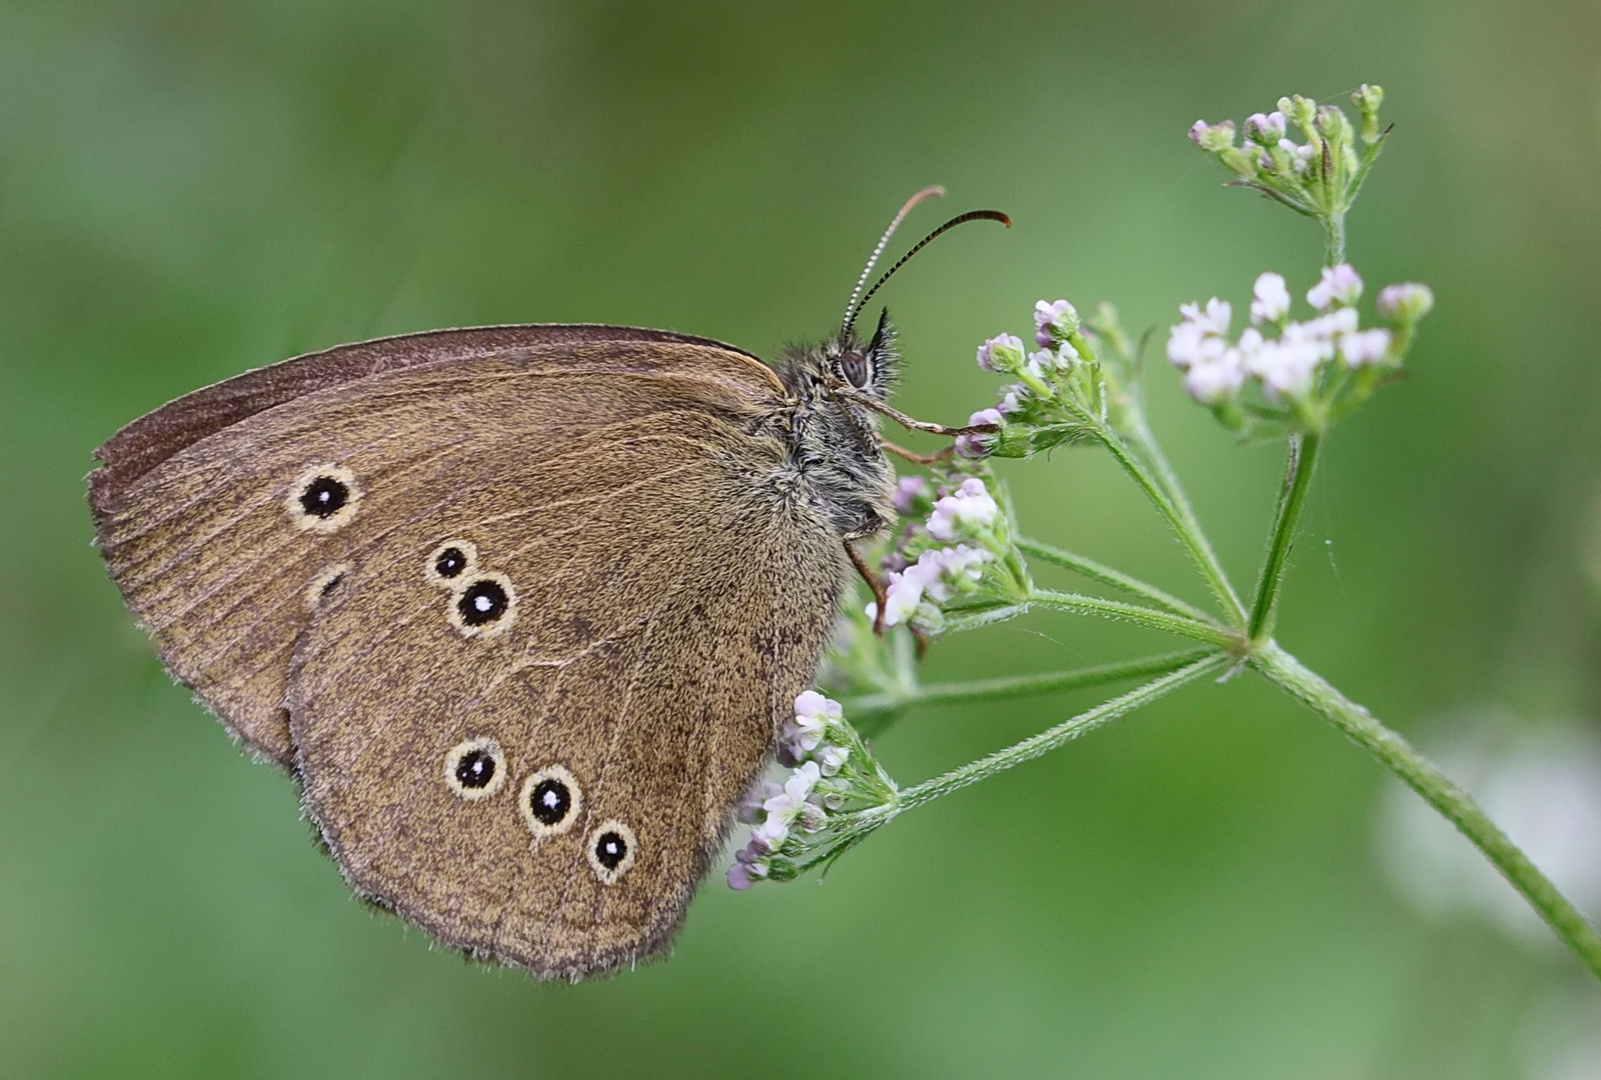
[(939, 573), (1288, 365), (831, 769)]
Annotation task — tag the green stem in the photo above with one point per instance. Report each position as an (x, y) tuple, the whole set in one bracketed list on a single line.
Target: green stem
[(1017, 686), (1333, 238), (1062, 733), (1168, 498), (1292, 496), (1080, 604), (1106, 575), (1358, 725)]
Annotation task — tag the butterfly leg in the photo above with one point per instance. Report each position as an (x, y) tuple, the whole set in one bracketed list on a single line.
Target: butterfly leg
[(916, 458), (880, 594), (907, 422)]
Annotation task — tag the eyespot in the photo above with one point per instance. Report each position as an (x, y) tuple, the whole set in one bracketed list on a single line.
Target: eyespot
[(323, 584), (611, 851), (323, 499), (855, 367), (475, 769), (483, 606), (448, 562), (550, 801)]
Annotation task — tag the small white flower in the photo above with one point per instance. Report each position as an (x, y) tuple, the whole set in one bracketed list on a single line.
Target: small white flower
[(1191, 343), (1003, 352), (1270, 298), (1338, 285), (833, 758), (1407, 301), (977, 446), (970, 506), (1287, 367), (1216, 381), (952, 566), (1365, 347), (811, 703), (1214, 318), (772, 832), (1054, 321), (1010, 402)]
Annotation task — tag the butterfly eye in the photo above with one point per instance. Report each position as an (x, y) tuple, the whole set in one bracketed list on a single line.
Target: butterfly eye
[(550, 801), (323, 499), (475, 769), (449, 561), (611, 851), (484, 606), (856, 368)]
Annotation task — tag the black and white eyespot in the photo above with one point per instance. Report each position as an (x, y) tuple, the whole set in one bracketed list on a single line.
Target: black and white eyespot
[(483, 605), (323, 499), (550, 801), (475, 769), (611, 851), (324, 584), (449, 562), (857, 368)]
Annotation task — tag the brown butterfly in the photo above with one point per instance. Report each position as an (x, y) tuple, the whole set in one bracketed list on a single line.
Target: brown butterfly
[(524, 608)]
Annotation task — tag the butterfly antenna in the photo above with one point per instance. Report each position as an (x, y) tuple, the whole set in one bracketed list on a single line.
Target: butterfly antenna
[(883, 241), (961, 219)]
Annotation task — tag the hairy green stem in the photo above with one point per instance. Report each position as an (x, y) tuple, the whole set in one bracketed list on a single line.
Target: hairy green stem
[(1062, 733), (1168, 498), (1080, 604), (1106, 575), (1333, 238), (1017, 686), (1292, 496), (1418, 773)]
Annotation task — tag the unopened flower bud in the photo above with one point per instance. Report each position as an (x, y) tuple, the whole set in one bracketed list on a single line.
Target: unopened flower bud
[(1265, 128), (1368, 98), (1053, 322), (1406, 302), (1003, 353), (1213, 138)]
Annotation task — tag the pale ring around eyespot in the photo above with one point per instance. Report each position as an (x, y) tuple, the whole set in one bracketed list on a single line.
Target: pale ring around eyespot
[(482, 605), (557, 778), (606, 832), (461, 776), (469, 568), (323, 499), (323, 584)]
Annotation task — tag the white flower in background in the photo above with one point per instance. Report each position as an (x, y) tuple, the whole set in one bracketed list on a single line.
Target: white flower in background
[(1406, 302), (1338, 285), (1365, 346), (1542, 784), (1270, 297), (909, 492), (1212, 381), (1214, 318)]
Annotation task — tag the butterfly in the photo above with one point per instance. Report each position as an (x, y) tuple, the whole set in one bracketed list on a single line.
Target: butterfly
[(524, 609)]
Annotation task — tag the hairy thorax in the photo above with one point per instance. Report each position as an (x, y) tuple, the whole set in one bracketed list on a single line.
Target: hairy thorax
[(832, 444)]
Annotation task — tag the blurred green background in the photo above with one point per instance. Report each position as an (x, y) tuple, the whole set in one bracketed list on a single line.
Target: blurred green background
[(189, 190)]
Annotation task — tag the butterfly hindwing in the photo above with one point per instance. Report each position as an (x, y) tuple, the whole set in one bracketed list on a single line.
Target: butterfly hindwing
[(660, 616)]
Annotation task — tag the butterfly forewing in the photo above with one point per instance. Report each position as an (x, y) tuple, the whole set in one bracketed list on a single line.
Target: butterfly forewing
[(195, 508)]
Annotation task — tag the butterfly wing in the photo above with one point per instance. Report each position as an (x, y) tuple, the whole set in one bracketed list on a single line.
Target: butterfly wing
[(663, 606), (191, 501)]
